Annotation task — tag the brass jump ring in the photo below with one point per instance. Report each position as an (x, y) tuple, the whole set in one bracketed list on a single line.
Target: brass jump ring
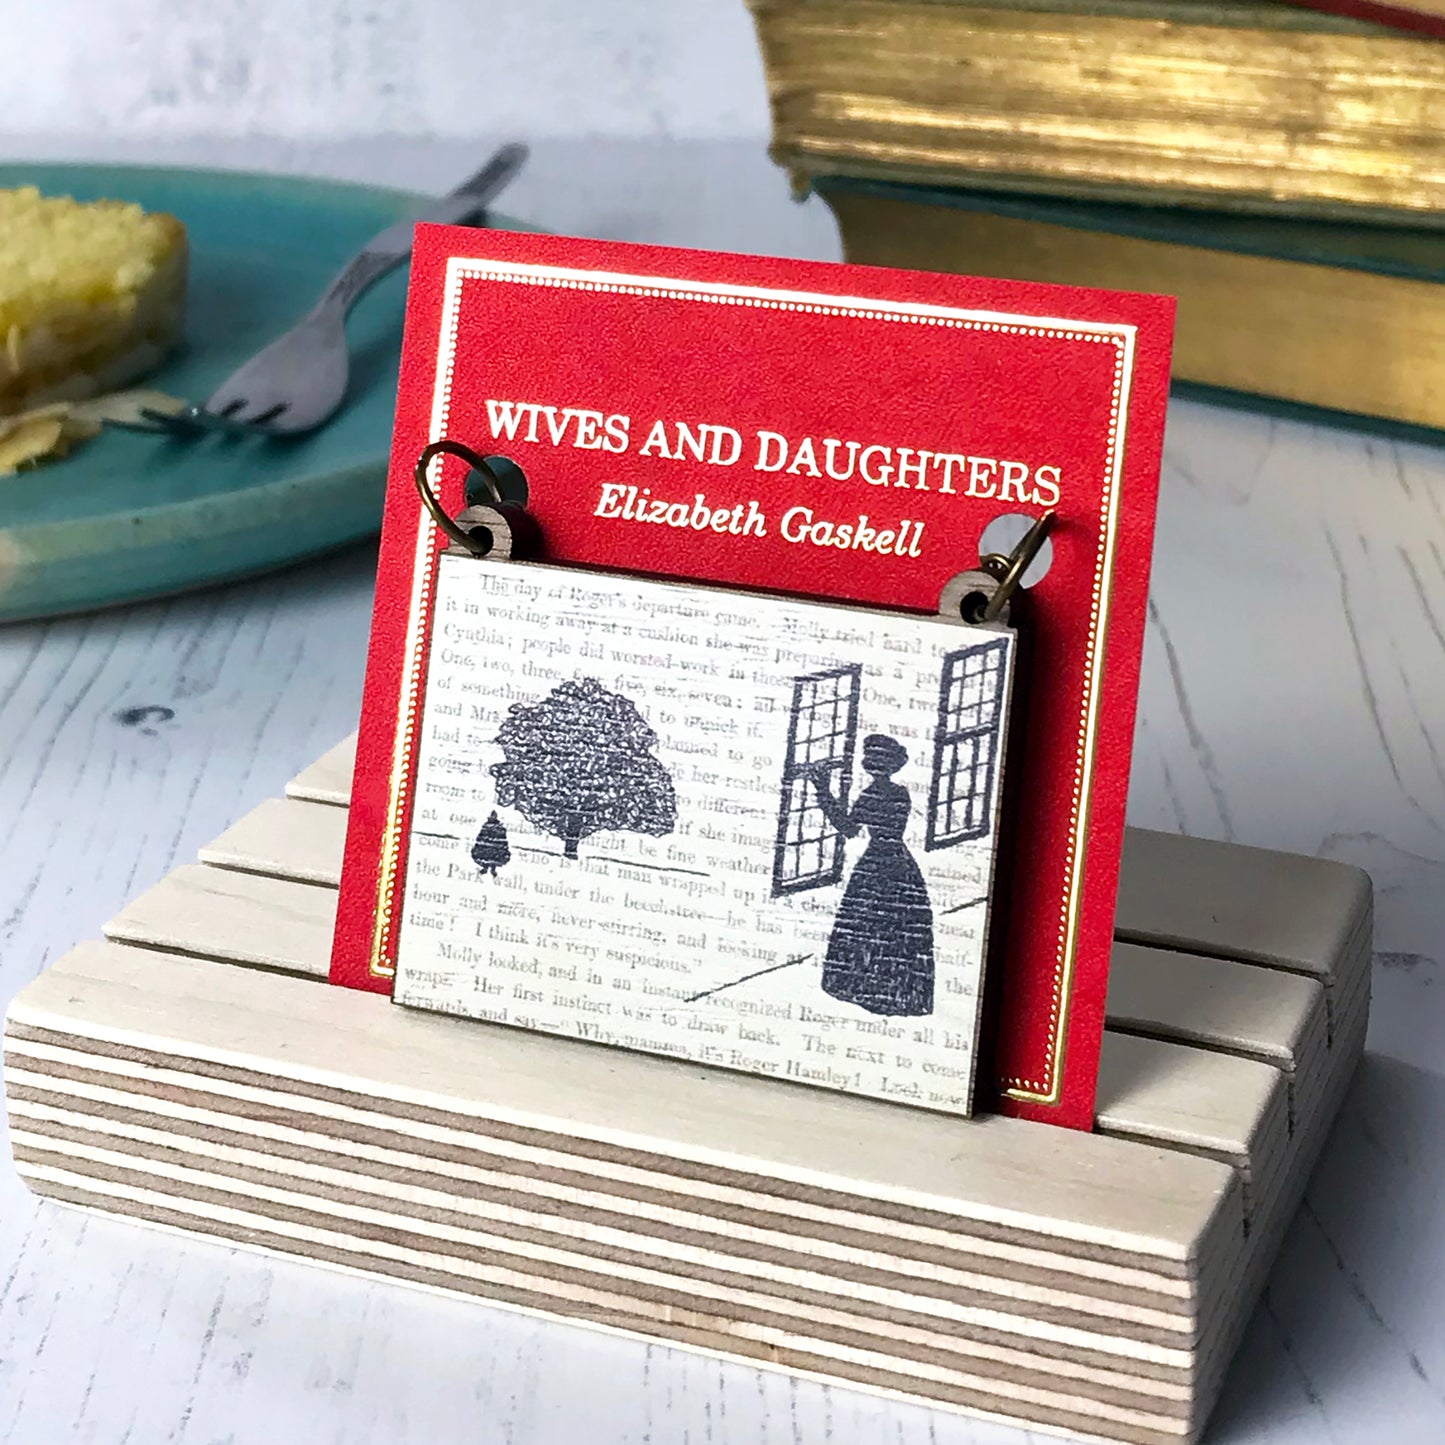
[(1010, 570), (447, 447)]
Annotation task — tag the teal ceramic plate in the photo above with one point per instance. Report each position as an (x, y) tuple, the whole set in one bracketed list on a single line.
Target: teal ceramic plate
[(130, 516)]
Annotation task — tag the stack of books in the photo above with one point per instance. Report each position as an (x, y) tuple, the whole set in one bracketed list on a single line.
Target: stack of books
[(1278, 169)]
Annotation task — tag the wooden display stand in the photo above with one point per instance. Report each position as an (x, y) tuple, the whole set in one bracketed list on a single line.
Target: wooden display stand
[(1095, 1284)]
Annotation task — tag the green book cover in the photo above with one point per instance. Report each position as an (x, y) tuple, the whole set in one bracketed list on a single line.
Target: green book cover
[(1415, 254)]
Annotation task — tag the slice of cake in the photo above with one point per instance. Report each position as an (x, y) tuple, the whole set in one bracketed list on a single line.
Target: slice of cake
[(91, 295)]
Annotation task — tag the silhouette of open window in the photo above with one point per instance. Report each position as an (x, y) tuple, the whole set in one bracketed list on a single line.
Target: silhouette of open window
[(823, 728), (965, 747)]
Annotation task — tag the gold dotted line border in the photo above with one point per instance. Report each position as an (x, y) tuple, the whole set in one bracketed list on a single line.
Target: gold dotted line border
[(459, 270)]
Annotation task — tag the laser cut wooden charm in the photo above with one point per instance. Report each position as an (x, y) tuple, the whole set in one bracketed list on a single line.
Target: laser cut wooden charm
[(749, 831)]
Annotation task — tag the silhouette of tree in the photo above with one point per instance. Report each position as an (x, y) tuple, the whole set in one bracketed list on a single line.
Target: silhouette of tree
[(580, 762), (490, 851)]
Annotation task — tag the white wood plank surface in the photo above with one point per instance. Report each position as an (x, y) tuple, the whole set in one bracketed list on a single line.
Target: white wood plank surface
[(1290, 699)]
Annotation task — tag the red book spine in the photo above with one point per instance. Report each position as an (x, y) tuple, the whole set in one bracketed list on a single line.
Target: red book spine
[(1397, 17)]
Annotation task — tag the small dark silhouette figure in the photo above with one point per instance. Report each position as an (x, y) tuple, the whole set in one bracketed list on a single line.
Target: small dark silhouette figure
[(580, 762), (880, 953), (490, 851)]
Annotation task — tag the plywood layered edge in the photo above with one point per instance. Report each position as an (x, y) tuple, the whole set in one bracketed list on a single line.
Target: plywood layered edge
[(192, 1073)]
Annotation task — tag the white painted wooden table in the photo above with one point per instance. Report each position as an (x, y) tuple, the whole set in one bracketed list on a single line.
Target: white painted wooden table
[(1294, 696)]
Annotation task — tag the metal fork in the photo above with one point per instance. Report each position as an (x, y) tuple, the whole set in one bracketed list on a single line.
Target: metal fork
[(299, 380)]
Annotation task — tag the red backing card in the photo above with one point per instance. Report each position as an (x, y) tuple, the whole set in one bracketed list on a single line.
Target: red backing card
[(1397, 17), (976, 397)]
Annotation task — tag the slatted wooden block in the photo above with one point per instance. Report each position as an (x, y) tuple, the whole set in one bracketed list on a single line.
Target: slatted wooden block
[(1303, 915), (328, 779), (1264, 1014), (268, 922), (1093, 1284), (284, 838)]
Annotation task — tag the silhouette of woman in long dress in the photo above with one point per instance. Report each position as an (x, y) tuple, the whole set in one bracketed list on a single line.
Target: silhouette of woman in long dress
[(880, 953)]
